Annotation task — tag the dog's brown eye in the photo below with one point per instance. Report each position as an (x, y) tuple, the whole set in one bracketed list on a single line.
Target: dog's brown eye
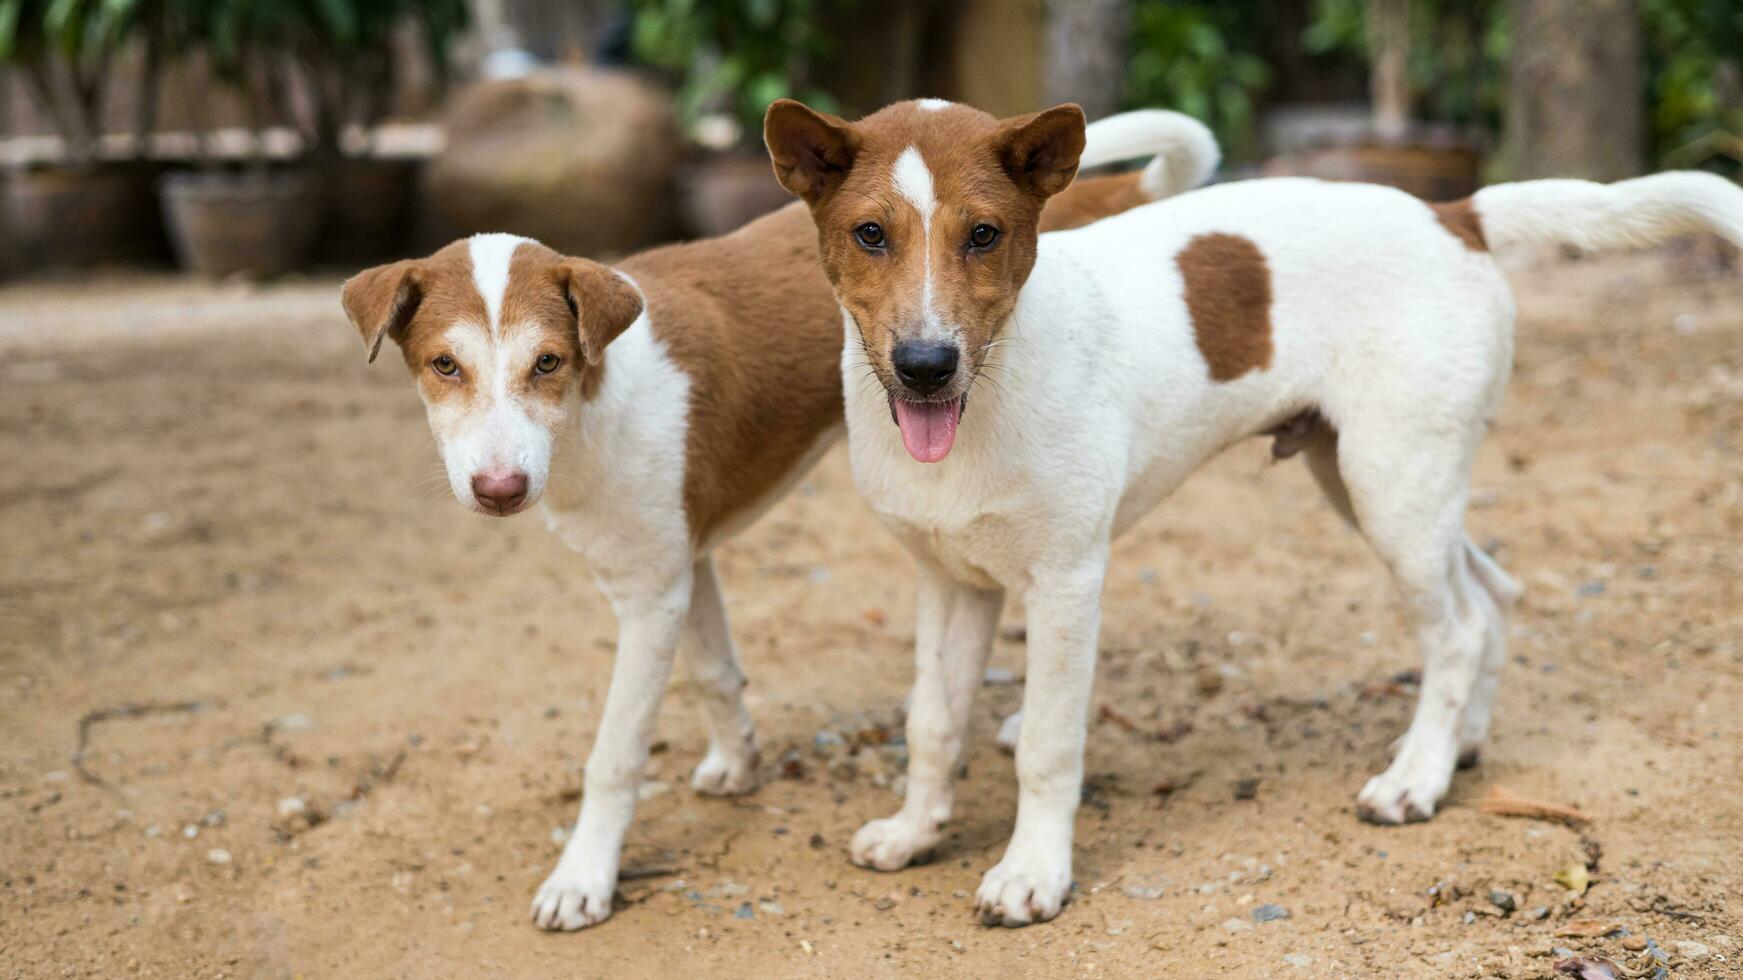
[(547, 363), (870, 234), (983, 236), (445, 366)]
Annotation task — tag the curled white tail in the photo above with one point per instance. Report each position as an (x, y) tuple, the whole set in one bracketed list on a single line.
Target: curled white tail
[(1184, 153), (1633, 213)]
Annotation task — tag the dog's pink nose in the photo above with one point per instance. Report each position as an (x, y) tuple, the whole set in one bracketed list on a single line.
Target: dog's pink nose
[(500, 492)]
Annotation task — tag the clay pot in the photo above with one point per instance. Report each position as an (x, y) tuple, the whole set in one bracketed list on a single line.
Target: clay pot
[(1431, 171), (260, 223), (581, 159), (75, 217), (723, 191), (369, 204)]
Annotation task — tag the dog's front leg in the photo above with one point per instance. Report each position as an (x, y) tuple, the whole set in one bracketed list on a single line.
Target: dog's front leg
[(578, 892), (1033, 880), (953, 637)]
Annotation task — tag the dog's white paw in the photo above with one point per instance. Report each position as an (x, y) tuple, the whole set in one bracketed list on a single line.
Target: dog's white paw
[(1023, 889), (726, 773), (893, 843), (1408, 790), (1009, 732), (573, 900)]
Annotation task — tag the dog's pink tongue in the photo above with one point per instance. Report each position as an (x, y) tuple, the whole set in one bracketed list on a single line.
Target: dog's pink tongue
[(928, 428)]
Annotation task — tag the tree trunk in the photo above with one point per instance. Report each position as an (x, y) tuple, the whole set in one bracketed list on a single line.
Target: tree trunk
[(1086, 53), (1574, 103), (1389, 50)]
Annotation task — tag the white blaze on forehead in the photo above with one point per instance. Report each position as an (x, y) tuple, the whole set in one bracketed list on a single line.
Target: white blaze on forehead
[(491, 255), (913, 181), (933, 105)]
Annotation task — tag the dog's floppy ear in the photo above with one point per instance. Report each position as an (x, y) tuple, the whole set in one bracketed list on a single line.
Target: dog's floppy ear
[(381, 301), (603, 301), (1040, 150), (812, 151)]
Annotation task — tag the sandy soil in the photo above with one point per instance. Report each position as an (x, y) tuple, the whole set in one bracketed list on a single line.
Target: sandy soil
[(232, 576)]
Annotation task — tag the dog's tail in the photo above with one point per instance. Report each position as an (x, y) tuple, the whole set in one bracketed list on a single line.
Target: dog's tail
[(1633, 213), (1183, 152)]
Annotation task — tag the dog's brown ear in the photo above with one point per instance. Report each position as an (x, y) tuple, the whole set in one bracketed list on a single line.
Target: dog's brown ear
[(812, 151), (381, 301), (604, 303), (1040, 150)]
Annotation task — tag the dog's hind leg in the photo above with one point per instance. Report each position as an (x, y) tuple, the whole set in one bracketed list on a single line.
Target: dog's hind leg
[(730, 767), (953, 638), (1498, 593), (1407, 488)]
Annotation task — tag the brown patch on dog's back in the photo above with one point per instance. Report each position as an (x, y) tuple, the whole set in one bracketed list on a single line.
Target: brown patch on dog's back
[(1228, 294), (1092, 199), (1461, 218)]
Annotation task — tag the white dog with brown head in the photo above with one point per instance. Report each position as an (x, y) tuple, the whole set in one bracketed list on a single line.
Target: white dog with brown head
[(1365, 329)]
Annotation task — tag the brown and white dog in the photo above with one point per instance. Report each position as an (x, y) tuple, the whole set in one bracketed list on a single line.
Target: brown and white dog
[(1364, 328), (654, 409)]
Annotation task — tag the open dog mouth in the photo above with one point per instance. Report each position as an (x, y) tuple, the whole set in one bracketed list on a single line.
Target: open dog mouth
[(928, 427)]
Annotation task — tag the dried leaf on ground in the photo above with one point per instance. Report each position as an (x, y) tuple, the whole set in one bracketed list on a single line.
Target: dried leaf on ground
[(1574, 878), (1503, 803)]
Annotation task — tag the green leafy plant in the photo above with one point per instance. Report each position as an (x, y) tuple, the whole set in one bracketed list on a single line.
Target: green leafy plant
[(1458, 54), (1694, 55), (734, 56), (1693, 86), (1199, 58), (342, 52), (337, 52), (63, 50)]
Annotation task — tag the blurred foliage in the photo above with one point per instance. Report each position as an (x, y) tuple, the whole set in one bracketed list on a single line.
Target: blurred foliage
[(1458, 54), (1200, 58), (338, 51), (63, 49), (1694, 59), (1204, 57), (734, 56)]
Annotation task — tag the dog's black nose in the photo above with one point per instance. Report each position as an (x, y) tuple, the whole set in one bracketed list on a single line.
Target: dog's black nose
[(924, 365)]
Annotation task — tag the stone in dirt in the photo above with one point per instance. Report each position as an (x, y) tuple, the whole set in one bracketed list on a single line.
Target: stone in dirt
[(1270, 913), (1690, 950)]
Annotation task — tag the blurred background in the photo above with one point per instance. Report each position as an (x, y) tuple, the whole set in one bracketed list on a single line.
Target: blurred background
[(264, 136), (272, 704)]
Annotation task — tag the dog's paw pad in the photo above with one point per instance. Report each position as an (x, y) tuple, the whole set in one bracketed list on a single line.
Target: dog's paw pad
[(891, 844), (568, 902), (1397, 798), (1016, 894)]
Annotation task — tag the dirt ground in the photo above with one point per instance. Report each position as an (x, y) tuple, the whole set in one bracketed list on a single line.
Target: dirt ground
[(272, 705)]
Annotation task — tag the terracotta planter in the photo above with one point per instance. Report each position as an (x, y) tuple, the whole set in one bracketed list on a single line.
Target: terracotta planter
[(73, 218), (1432, 171), (722, 191), (369, 204), (257, 223)]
